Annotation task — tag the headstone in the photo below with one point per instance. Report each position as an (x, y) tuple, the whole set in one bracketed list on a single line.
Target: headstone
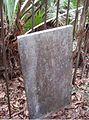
[(47, 69)]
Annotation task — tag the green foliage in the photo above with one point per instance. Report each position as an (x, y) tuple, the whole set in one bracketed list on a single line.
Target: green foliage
[(10, 10), (38, 18), (12, 7), (73, 4)]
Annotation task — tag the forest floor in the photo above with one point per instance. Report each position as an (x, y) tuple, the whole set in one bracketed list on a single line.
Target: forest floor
[(78, 109)]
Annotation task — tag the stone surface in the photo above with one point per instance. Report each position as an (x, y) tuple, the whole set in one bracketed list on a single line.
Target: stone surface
[(47, 69)]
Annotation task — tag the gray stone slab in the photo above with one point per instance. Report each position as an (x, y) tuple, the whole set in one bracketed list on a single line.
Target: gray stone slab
[(47, 69)]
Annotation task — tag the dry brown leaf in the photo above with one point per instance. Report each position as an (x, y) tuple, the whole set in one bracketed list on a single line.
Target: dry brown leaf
[(2, 95)]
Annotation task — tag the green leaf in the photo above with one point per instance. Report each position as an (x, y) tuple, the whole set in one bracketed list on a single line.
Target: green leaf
[(38, 18)]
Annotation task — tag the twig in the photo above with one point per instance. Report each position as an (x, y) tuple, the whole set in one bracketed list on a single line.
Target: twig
[(85, 52), (57, 12), (76, 17), (32, 15), (45, 16), (67, 20), (53, 18), (4, 57), (13, 115), (77, 61), (81, 29)]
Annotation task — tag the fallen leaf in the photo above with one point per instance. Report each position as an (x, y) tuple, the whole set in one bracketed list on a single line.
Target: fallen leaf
[(2, 95)]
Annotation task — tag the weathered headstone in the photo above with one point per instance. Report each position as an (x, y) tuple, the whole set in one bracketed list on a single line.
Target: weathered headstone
[(47, 69)]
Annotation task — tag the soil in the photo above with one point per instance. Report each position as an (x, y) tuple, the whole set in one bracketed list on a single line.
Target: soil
[(78, 109)]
